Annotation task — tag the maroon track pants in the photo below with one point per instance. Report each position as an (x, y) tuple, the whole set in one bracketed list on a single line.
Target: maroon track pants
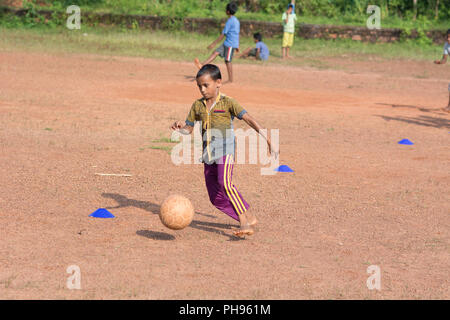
[(222, 192)]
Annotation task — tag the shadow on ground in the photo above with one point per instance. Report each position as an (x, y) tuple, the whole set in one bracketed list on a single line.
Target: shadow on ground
[(405, 106), (155, 235), (425, 121), (190, 78)]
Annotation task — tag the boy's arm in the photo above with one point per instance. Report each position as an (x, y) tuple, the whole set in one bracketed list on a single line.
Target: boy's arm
[(182, 127), (212, 45), (255, 125), (443, 60), (186, 127), (285, 17)]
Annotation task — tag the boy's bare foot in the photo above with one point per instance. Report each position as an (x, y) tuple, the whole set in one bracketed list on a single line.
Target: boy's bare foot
[(197, 63), (247, 221), (446, 109), (244, 230), (251, 219)]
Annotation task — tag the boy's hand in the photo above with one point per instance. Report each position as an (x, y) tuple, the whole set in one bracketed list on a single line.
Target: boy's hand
[(177, 125), (237, 50), (272, 151)]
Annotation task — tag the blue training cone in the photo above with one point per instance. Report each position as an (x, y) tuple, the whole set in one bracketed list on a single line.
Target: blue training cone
[(101, 213), (284, 168), (405, 141)]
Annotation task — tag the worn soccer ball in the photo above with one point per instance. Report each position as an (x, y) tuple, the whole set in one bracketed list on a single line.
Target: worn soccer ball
[(176, 212)]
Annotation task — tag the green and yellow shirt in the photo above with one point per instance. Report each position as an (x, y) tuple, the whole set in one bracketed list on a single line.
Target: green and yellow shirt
[(217, 125)]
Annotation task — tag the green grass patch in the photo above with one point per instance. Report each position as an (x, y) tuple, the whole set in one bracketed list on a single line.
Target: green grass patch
[(161, 140), (165, 148), (164, 140)]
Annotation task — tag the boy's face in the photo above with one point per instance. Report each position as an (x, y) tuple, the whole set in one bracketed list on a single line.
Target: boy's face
[(207, 86), (290, 10)]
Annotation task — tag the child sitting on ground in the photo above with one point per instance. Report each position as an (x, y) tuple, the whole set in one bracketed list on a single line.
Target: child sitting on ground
[(260, 51)]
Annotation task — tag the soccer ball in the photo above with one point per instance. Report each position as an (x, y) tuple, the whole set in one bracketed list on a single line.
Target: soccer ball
[(176, 212)]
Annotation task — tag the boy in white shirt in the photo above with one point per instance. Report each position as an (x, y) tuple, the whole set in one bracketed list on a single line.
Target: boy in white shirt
[(289, 18)]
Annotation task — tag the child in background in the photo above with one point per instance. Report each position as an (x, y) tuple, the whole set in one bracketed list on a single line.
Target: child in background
[(260, 51), (289, 18), (231, 43), (443, 61)]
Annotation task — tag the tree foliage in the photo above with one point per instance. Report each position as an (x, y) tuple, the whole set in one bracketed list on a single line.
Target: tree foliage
[(402, 9)]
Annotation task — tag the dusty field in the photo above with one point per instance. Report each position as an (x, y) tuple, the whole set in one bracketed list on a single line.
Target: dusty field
[(356, 198)]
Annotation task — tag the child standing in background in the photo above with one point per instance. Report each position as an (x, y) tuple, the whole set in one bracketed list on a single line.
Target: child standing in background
[(231, 43), (289, 18), (444, 60)]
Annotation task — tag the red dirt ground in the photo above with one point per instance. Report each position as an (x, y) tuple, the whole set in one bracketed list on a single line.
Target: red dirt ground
[(356, 198)]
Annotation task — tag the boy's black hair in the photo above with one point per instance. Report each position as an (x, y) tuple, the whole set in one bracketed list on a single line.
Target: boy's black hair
[(232, 8), (257, 36), (448, 32), (291, 6), (212, 70)]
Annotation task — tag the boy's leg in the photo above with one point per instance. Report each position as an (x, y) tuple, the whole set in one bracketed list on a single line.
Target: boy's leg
[(209, 60), (246, 219), (228, 56), (290, 43), (245, 53), (285, 44), (253, 53), (448, 106), (217, 196), (226, 197), (230, 70), (447, 109)]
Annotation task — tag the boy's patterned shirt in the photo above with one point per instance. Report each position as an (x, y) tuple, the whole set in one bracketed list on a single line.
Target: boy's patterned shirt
[(217, 125)]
